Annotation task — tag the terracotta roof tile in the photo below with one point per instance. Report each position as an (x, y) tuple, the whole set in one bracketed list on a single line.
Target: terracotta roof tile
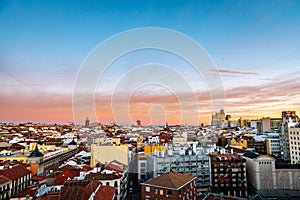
[(3, 180), (59, 180), (105, 193), (30, 191), (86, 168), (173, 180), (79, 190), (116, 166), (15, 172)]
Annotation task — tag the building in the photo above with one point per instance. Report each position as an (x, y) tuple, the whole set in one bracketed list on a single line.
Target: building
[(294, 143), (258, 146), (267, 177), (228, 175), (275, 123), (273, 145), (261, 171), (288, 117), (4, 187), (194, 165), (87, 122), (86, 190), (41, 163), (151, 149), (242, 122), (265, 124), (114, 174), (218, 119), (19, 179), (106, 153), (171, 185)]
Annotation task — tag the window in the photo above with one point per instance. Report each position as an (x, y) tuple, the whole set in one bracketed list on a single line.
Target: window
[(161, 192), (147, 197), (147, 189), (169, 192), (155, 191), (107, 183)]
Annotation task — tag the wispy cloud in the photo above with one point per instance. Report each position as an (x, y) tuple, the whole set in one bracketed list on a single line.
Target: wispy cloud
[(268, 79), (255, 101), (234, 72)]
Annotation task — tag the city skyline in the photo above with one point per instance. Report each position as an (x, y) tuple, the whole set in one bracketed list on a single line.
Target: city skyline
[(254, 45)]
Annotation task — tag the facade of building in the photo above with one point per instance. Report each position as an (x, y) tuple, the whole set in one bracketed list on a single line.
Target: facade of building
[(265, 124), (287, 117), (171, 185), (284, 142), (273, 146), (258, 146), (261, 171), (151, 149), (87, 122), (294, 143), (4, 187), (106, 153), (218, 119), (194, 165), (265, 175), (275, 123), (19, 177), (228, 175), (115, 174)]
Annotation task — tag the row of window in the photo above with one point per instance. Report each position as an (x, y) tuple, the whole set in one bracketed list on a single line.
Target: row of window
[(293, 132), (295, 143), (265, 163)]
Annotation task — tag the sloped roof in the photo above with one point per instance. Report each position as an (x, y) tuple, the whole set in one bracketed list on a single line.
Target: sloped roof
[(73, 142), (100, 176), (15, 172), (116, 166), (251, 155), (173, 180), (4, 180), (36, 152), (105, 193), (60, 180), (30, 191), (86, 168), (82, 191)]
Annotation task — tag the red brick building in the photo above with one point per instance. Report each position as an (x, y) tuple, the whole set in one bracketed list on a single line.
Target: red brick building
[(171, 185)]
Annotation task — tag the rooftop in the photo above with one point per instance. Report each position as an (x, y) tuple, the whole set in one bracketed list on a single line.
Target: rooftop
[(15, 172), (173, 180), (105, 193)]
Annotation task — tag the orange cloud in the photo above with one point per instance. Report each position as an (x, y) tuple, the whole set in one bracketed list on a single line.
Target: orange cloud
[(268, 99)]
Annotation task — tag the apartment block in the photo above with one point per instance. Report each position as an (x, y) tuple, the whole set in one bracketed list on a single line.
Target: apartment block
[(228, 175), (171, 185)]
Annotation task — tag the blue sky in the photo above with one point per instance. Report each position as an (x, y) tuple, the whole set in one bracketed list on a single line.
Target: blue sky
[(43, 43)]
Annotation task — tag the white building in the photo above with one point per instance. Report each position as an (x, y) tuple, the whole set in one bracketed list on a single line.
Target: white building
[(294, 143), (273, 145), (268, 177), (194, 165)]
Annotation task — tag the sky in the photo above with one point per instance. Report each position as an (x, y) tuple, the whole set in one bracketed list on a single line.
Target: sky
[(255, 46)]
